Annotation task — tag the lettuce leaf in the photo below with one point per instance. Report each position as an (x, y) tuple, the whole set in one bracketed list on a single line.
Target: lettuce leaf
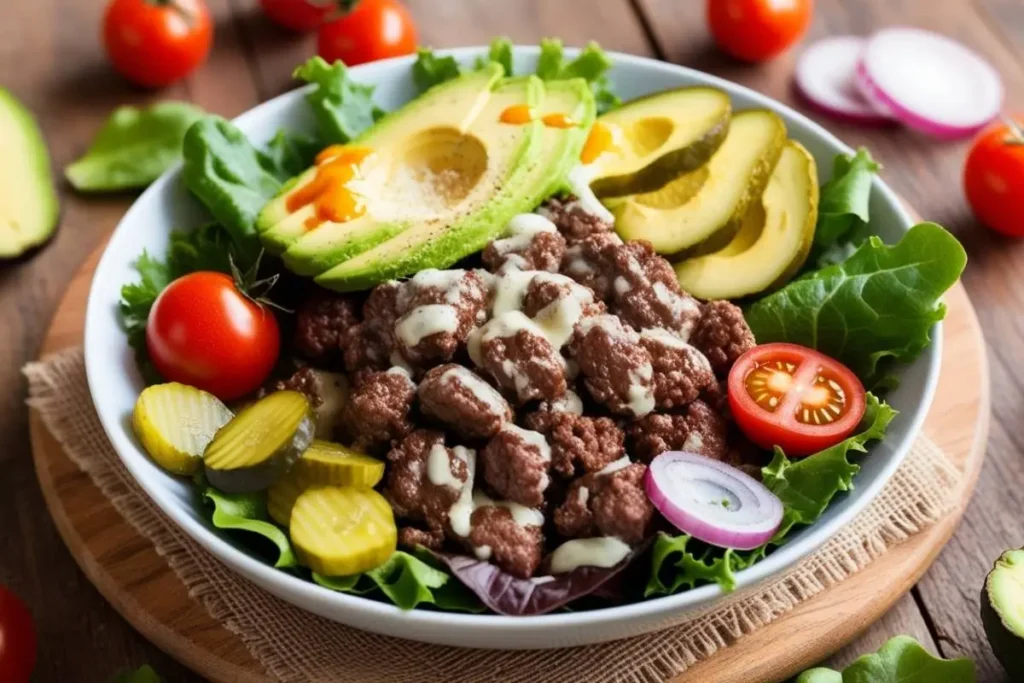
[(289, 154), (845, 198), (591, 64), (900, 660), (805, 487), (247, 513), (144, 674), (878, 305), (231, 177), (500, 52), (407, 581), (134, 147), (343, 108), (429, 70)]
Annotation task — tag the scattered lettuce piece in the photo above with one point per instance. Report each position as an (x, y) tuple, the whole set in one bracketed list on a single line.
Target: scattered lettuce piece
[(144, 674), (247, 512), (408, 581), (878, 305), (429, 70), (501, 53), (288, 155), (591, 64), (845, 198), (134, 147), (900, 660), (805, 487), (208, 247), (231, 177), (343, 108)]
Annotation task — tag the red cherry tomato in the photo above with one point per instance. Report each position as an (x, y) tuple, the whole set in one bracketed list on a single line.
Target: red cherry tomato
[(298, 15), (994, 178), (203, 332), (794, 397), (756, 30), (374, 29), (17, 639), (157, 43)]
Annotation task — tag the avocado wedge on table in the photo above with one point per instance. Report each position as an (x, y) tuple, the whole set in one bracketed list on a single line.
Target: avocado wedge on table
[(773, 240), (1002, 611), (710, 202), (659, 137), (529, 162), (435, 121)]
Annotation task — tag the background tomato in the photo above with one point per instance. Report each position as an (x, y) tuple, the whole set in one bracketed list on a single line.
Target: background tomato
[(298, 15), (374, 29), (157, 43), (17, 639), (994, 177), (756, 30), (202, 331)]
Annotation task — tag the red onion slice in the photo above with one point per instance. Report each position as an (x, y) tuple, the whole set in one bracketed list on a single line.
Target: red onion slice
[(825, 78), (929, 82), (712, 501)]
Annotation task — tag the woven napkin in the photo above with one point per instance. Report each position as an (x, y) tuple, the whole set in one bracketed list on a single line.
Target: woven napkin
[(294, 645)]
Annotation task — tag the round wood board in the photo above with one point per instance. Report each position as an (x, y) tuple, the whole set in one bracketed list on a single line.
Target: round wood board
[(129, 573)]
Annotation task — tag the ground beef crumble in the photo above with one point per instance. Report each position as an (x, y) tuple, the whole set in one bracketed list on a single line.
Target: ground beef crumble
[(700, 429), (612, 504), (378, 409), (322, 324), (722, 335), (516, 548), (463, 402)]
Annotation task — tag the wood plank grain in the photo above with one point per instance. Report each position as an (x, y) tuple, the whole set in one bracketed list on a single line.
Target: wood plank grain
[(613, 23)]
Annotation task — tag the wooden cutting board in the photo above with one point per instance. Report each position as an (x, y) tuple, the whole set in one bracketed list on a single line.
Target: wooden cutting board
[(127, 570)]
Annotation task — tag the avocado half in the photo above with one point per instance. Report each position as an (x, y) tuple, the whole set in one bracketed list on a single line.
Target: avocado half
[(709, 203), (28, 201), (1002, 611), (773, 240), (659, 137)]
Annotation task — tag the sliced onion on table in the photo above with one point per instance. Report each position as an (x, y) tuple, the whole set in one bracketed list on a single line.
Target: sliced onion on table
[(713, 502), (825, 77), (929, 82)]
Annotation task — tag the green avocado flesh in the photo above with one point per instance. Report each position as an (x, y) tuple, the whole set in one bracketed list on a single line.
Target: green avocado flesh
[(1002, 611), (539, 166), (708, 204), (661, 136), (260, 443), (28, 202), (438, 118)]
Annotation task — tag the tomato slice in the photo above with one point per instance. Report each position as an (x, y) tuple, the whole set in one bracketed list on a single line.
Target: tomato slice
[(794, 397)]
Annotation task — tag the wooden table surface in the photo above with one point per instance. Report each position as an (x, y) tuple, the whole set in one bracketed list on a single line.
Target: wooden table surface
[(50, 57)]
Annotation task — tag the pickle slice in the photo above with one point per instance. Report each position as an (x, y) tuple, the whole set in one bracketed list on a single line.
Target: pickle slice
[(281, 497), (261, 443), (330, 464), (175, 422), (342, 530)]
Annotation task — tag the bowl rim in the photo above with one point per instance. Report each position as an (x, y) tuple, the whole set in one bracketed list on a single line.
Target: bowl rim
[(285, 584)]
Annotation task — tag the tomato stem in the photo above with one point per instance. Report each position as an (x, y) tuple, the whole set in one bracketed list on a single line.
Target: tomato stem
[(176, 7), (1016, 136), (256, 291)]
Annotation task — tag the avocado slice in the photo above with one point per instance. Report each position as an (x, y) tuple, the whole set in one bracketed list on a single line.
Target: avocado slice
[(773, 240), (532, 171), (660, 137), (447, 109), (1002, 611), (28, 202), (710, 202)]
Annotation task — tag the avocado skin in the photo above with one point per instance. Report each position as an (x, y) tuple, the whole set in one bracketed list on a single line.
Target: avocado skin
[(665, 169), (1007, 645), (44, 223)]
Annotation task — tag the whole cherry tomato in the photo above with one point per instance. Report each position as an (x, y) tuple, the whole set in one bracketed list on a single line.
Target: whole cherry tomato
[(994, 177), (157, 42), (794, 397), (371, 30), (298, 15), (17, 639), (203, 331), (756, 30)]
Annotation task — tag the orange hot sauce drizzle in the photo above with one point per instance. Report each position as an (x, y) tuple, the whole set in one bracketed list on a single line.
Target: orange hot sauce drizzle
[(559, 121), (517, 114), (599, 140), (328, 191)]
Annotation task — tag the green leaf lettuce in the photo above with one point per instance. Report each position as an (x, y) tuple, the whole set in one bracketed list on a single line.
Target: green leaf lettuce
[(900, 660), (247, 513), (342, 107)]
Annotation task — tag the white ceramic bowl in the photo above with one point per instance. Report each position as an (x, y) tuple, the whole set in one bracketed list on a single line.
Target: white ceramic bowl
[(115, 384)]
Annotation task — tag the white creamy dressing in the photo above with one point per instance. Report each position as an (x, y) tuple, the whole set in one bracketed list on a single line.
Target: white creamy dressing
[(621, 285), (510, 290), (520, 231), (481, 390), (694, 442), (568, 403), (575, 263), (439, 470), (531, 438), (505, 325), (542, 579), (482, 552), (641, 390), (680, 306), (423, 321), (522, 515), (602, 551), (579, 182), (462, 509), (584, 495), (451, 282), (400, 367), (614, 466), (610, 324), (572, 371), (664, 337)]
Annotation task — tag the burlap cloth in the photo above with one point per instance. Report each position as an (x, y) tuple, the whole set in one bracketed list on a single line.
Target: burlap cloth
[(294, 645)]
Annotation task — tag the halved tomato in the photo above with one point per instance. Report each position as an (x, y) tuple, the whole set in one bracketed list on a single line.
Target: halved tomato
[(793, 397)]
